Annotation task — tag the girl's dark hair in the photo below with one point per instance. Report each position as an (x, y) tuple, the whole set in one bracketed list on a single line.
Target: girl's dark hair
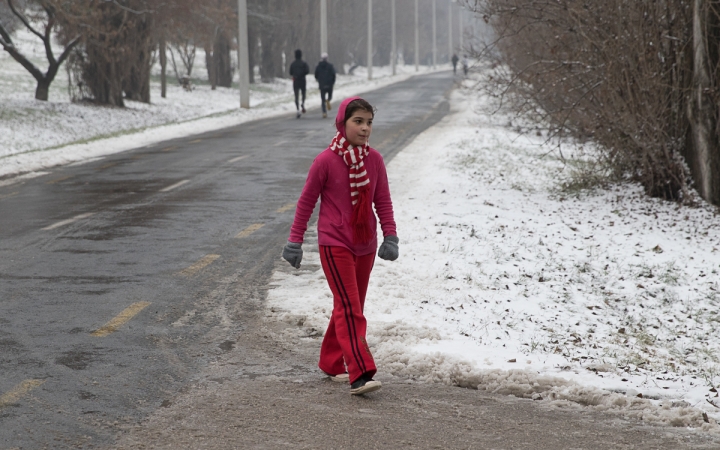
[(356, 105)]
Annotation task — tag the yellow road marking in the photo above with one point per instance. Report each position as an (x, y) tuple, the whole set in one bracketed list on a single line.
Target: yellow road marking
[(178, 184), (12, 194), (18, 392), (287, 207), (238, 159), (167, 149), (67, 221), (60, 179), (204, 262), (196, 141), (249, 230), (118, 321), (107, 166)]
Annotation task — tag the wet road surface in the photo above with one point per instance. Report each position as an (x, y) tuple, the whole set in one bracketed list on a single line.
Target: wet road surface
[(111, 271)]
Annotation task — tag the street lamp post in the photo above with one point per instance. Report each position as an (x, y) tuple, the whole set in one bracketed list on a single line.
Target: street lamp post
[(394, 40), (434, 34), (450, 29), (323, 27), (370, 41), (417, 38), (243, 55), (462, 30)]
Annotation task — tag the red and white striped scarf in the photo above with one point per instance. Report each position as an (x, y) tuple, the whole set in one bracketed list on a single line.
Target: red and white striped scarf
[(353, 156)]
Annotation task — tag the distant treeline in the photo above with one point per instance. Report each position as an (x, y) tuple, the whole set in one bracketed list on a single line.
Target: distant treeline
[(111, 45)]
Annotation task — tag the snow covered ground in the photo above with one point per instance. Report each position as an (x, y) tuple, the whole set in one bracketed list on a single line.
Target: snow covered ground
[(606, 299), (36, 135)]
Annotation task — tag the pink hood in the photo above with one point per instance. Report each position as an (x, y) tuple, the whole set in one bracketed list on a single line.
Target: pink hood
[(340, 118)]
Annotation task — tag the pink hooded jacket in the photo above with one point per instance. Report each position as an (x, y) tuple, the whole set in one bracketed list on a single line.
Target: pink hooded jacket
[(328, 179)]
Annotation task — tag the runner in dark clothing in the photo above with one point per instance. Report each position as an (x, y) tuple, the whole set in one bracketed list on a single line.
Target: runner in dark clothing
[(325, 76), (298, 70)]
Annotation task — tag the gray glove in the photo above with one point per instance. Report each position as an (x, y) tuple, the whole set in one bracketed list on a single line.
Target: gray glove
[(389, 248), (293, 253)]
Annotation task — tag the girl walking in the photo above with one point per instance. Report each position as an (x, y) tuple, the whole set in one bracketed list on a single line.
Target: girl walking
[(348, 177)]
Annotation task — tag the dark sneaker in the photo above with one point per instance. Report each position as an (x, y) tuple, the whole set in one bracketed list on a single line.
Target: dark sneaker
[(303, 109), (298, 114), (363, 386)]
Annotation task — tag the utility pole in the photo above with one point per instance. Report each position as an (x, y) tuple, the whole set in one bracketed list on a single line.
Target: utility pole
[(462, 30), (417, 38), (434, 53), (394, 40), (370, 46), (323, 27), (450, 28), (243, 55)]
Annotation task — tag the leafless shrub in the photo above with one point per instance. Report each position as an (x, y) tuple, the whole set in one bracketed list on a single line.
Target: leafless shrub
[(114, 58), (614, 71)]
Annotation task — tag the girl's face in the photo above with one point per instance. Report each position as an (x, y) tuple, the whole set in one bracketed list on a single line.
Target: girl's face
[(358, 127)]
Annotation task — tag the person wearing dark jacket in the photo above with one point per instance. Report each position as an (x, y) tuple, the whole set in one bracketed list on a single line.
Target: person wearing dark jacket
[(298, 70), (325, 76)]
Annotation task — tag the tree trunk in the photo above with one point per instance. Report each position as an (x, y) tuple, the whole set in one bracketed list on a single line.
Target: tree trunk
[(43, 89), (223, 62), (163, 68), (704, 156), (210, 65)]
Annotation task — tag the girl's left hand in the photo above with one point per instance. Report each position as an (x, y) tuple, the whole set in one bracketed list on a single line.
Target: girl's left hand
[(389, 248)]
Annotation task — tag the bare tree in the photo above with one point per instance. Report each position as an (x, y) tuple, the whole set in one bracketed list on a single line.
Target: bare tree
[(704, 155), (44, 13), (638, 78), (9, 20), (115, 55)]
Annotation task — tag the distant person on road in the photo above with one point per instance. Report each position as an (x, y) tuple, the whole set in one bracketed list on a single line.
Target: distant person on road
[(298, 70), (454, 62), (348, 177), (466, 65), (325, 76)]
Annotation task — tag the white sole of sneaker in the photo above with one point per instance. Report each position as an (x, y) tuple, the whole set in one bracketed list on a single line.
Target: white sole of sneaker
[(340, 378), (370, 386)]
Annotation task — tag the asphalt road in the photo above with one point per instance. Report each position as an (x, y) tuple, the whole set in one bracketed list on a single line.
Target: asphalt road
[(145, 237), (131, 309)]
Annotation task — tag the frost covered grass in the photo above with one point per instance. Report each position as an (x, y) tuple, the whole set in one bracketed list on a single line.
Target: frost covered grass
[(507, 282), (35, 135)]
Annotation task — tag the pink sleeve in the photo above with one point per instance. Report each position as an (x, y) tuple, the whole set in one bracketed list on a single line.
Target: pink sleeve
[(383, 202), (308, 198)]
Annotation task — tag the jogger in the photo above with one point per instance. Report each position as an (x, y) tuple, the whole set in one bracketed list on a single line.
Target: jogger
[(348, 276), (298, 70), (325, 76)]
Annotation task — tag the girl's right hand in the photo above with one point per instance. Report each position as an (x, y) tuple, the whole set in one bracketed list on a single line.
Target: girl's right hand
[(293, 253)]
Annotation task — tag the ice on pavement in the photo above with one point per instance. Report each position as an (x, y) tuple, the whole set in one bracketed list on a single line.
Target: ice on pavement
[(606, 299)]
